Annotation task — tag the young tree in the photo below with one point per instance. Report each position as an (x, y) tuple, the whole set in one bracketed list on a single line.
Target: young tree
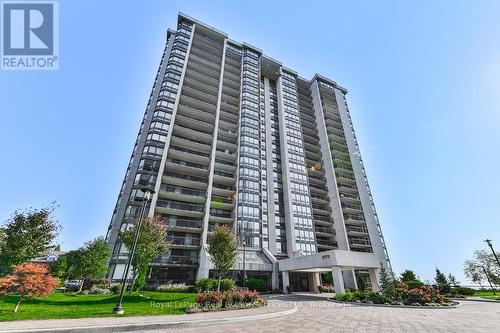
[(441, 281), (26, 235), (89, 261), (408, 276), (59, 268), (28, 280), (482, 267), (151, 243), (387, 282), (223, 249), (452, 280)]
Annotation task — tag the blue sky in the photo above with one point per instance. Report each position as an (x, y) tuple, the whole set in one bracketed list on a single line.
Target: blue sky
[(423, 80)]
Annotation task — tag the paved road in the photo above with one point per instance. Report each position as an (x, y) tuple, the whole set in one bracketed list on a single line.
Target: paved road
[(315, 314)]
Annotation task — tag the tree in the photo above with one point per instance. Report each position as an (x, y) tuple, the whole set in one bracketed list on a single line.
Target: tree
[(223, 249), (89, 261), (481, 267), (26, 235), (59, 268), (441, 281), (151, 243), (387, 282), (452, 280), (408, 276), (28, 280)]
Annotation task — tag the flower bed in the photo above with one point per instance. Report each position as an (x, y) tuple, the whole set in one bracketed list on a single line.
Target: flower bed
[(229, 300), (404, 295), (325, 288)]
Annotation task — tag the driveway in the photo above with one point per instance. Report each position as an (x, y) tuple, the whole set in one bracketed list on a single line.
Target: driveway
[(315, 314)]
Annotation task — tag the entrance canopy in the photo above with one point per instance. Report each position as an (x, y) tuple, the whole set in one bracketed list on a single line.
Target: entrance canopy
[(323, 261)]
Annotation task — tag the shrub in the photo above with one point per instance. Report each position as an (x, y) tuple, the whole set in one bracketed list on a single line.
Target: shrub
[(176, 289), (379, 298), (97, 291), (219, 299), (115, 289), (227, 285), (208, 284), (421, 295), (255, 284), (345, 297), (464, 291)]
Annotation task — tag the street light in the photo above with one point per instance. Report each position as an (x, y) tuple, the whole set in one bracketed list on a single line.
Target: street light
[(118, 309), (244, 268), (488, 241)]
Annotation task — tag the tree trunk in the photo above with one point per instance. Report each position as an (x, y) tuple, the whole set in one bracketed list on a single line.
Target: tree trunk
[(18, 303), (81, 286), (218, 284), (134, 277)]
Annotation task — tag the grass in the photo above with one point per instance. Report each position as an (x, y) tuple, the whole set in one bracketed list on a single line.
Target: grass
[(59, 305), (488, 294)]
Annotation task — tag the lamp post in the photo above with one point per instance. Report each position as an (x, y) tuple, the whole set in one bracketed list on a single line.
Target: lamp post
[(118, 309), (488, 278), (244, 268), (488, 241)]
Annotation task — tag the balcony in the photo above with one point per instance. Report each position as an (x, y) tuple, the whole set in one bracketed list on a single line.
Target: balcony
[(189, 155), (321, 209), (187, 132), (320, 220), (179, 179), (181, 194), (359, 242), (352, 209), (220, 216), (176, 260), (189, 143), (328, 244), (356, 230), (354, 219), (179, 208), (324, 231), (183, 242), (183, 225)]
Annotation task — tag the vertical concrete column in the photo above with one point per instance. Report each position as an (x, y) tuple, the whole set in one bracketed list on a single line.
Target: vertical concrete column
[(373, 272), (338, 280), (286, 281), (350, 279), (313, 282)]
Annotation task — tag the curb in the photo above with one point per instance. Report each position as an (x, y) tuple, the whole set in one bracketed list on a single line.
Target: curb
[(394, 306), (156, 325)]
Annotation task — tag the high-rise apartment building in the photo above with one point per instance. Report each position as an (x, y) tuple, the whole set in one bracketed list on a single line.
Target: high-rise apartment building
[(232, 137)]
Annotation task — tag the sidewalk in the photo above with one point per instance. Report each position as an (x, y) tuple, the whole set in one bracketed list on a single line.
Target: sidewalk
[(121, 324)]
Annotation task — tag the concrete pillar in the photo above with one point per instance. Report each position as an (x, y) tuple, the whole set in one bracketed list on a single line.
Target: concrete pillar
[(286, 281), (350, 279), (373, 272), (338, 280), (313, 279), (204, 262)]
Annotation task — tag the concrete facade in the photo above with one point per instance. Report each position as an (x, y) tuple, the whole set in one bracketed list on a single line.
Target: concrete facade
[(232, 137)]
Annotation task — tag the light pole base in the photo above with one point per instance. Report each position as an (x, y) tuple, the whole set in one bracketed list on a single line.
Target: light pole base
[(118, 309)]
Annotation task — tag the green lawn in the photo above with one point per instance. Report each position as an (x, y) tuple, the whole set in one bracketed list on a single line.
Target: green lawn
[(59, 305), (488, 294)]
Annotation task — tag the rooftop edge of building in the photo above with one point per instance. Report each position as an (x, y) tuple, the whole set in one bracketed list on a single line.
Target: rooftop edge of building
[(183, 16)]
